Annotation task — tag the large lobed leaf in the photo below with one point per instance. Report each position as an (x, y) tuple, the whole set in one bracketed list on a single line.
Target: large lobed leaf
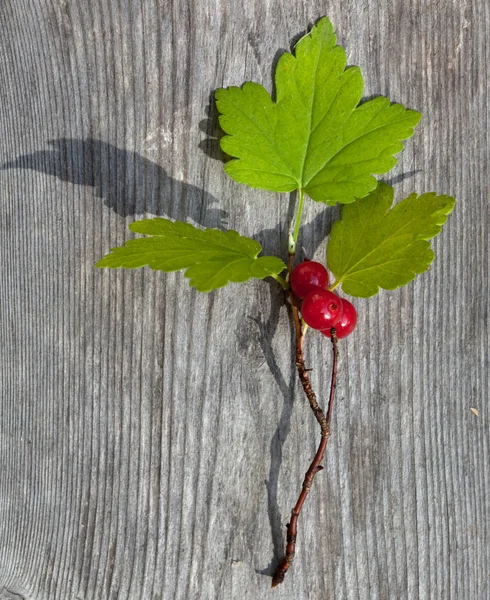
[(315, 136), (373, 246), (212, 258)]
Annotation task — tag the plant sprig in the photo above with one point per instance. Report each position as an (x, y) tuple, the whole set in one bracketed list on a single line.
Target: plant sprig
[(318, 138)]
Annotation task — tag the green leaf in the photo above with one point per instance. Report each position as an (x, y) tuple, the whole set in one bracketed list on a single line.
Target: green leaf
[(211, 258), (373, 246), (315, 136)]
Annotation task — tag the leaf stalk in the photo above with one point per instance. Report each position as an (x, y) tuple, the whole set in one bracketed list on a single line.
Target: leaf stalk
[(293, 236), (282, 282)]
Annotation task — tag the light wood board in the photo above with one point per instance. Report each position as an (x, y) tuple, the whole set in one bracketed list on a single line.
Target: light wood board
[(153, 439)]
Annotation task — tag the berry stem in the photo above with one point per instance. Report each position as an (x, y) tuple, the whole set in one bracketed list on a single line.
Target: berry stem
[(324, 422)]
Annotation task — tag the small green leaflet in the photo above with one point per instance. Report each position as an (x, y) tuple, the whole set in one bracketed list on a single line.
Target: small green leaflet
[(373, 246), (211, 258), (315, 136)]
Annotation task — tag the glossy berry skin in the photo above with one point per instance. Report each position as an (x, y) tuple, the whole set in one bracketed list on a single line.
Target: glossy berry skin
[(321, 309), (308, 276), (347, 322)]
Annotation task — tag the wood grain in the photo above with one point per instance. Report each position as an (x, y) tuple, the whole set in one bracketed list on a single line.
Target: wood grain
[(153, 440)]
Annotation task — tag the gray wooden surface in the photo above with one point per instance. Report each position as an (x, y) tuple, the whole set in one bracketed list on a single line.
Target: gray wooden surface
[(154, 439)]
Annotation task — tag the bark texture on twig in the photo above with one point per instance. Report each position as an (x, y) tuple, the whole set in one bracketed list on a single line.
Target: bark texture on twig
[(324, 422)]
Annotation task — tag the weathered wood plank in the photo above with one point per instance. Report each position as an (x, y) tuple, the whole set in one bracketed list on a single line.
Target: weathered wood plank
[(153, 440)]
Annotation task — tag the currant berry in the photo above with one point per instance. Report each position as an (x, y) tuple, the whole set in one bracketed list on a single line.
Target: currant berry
[(347, 322), (321, 309), (308, 276)]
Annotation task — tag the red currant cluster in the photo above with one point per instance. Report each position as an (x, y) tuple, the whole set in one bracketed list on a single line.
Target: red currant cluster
[(321, 309)]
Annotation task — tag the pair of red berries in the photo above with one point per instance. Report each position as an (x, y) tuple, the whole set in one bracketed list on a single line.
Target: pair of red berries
[(321, 309)]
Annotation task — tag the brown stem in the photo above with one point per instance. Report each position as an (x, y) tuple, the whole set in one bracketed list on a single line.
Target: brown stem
[(324, 422)]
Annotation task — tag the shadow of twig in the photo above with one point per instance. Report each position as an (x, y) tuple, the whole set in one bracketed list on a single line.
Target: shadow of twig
[(267, 330)]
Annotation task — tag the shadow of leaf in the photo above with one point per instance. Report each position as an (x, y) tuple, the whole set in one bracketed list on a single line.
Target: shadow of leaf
[(128, 183)]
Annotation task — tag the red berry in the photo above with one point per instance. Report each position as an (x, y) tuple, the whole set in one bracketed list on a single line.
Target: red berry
[(308, 276), (347, 322), (321, 309)]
